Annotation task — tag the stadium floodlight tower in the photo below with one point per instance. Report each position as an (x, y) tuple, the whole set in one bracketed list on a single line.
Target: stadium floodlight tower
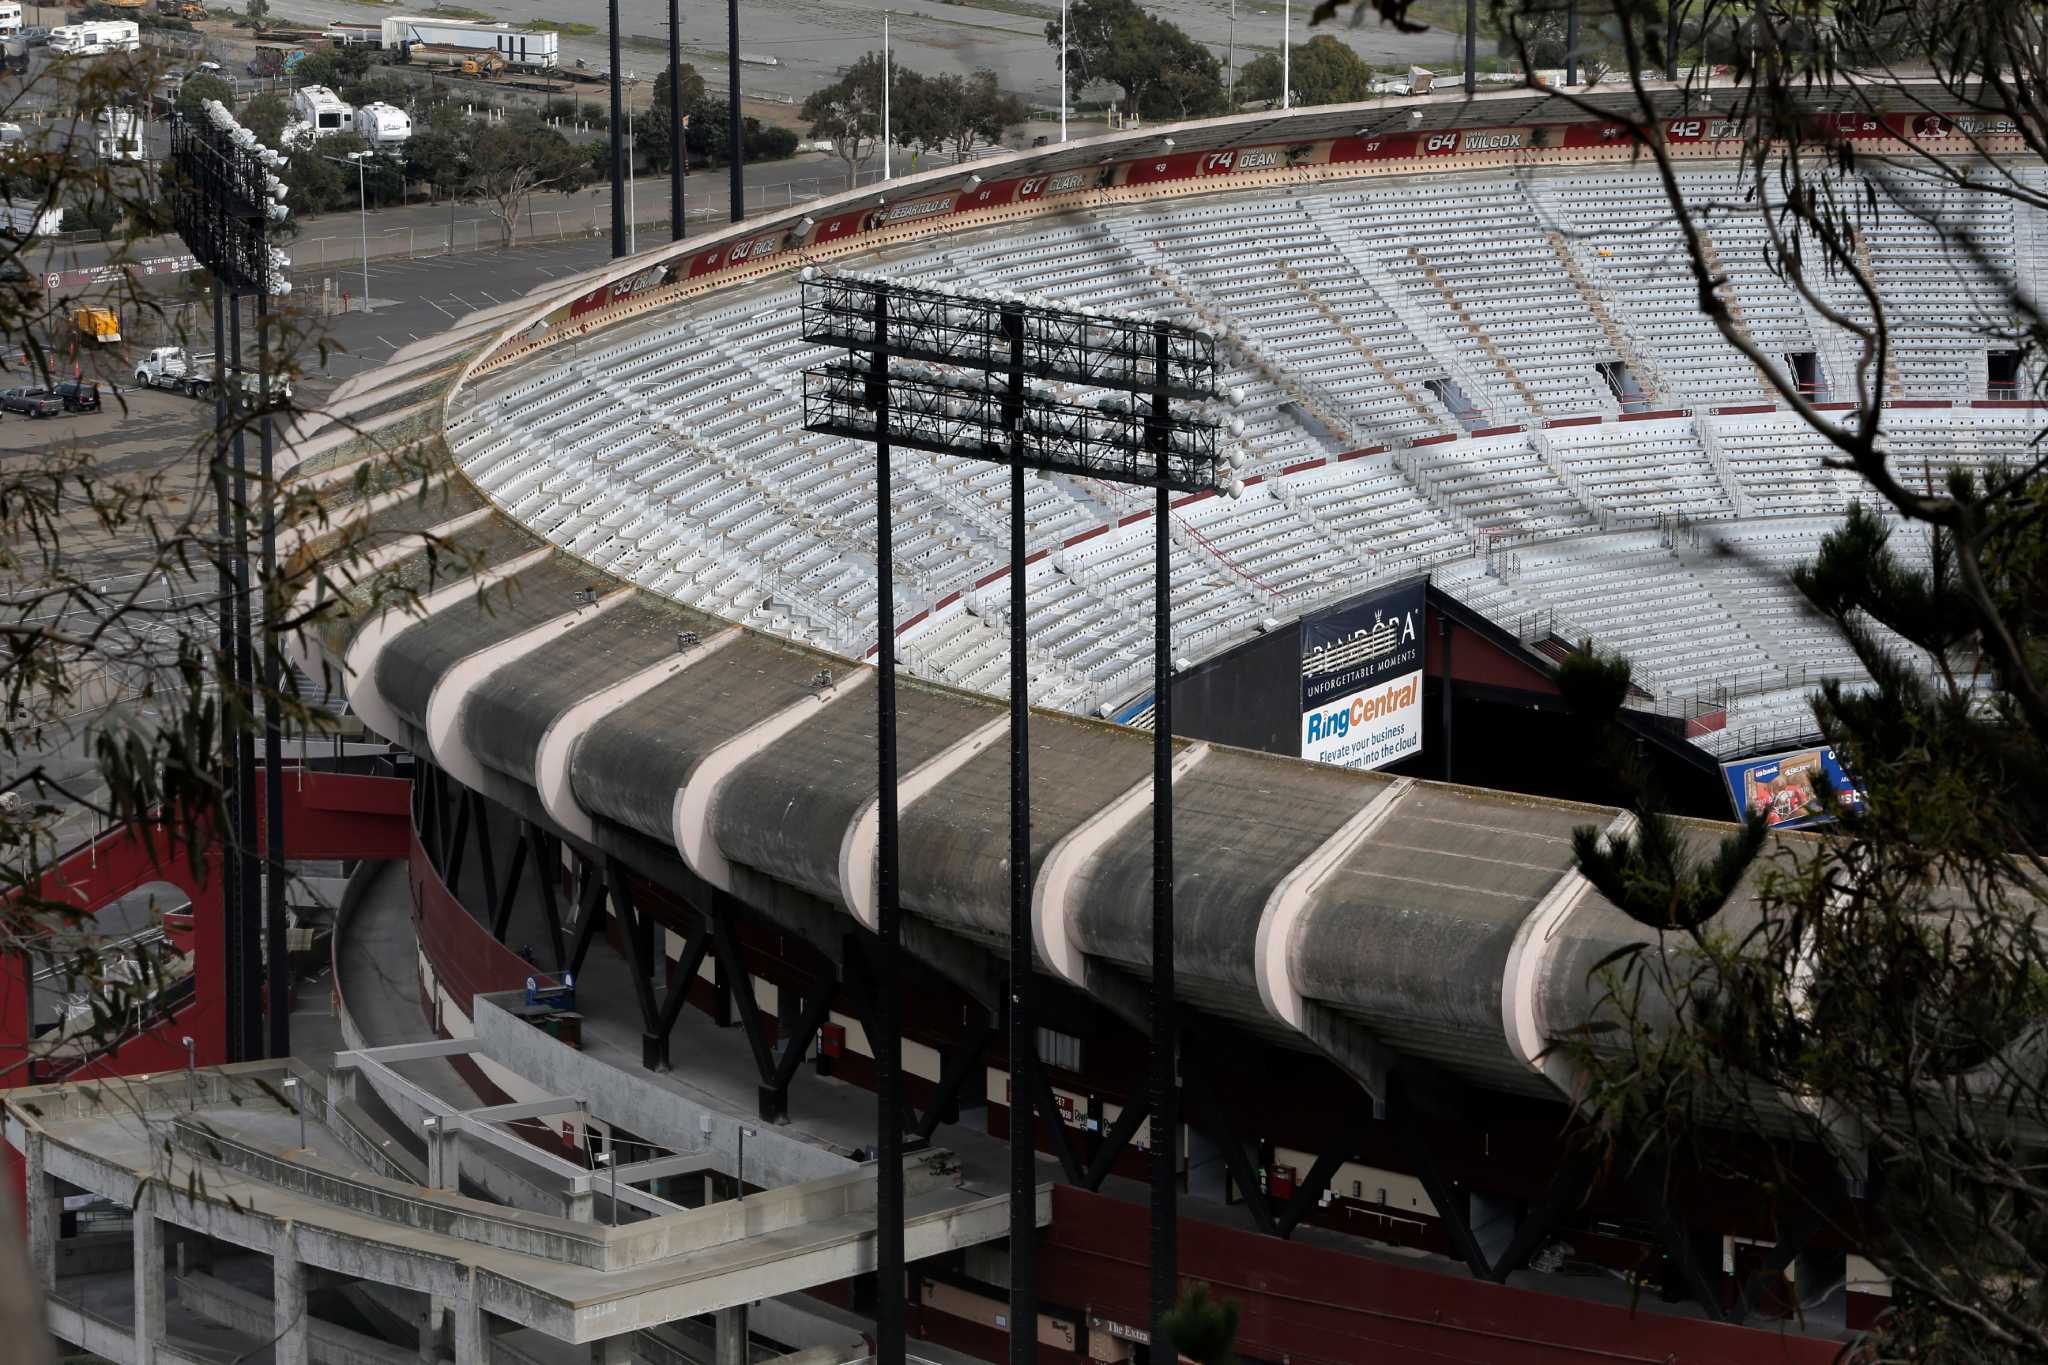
[(980, 406), (225, 201)]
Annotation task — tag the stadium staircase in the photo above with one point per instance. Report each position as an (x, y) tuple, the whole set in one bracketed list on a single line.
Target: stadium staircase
[(1738, 496), (1727, 293), (1418, 321), (1648, 382), (1211, 313), (1436, 416), (1532, 403)]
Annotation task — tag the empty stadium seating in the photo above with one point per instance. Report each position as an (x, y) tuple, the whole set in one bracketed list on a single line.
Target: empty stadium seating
[(1472, 333)]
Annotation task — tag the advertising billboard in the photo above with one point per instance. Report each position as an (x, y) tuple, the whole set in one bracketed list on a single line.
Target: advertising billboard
[(1361, 679), (1787, 787)]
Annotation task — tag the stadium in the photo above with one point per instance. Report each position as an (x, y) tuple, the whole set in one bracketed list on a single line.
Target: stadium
[(1473, 381)]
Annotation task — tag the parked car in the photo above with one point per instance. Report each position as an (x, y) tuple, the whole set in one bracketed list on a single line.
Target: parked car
[(33, 402), (80, 395)]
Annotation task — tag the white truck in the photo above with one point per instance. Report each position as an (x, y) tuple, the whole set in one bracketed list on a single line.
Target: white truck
[(515, 47), (177, 370), (174, 368)]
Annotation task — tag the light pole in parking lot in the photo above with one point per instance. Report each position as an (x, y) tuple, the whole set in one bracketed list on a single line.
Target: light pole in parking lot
[(982, 408), (357, 159)]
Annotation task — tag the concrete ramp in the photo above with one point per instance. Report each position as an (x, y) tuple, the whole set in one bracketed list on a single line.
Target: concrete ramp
[(221, 1152)]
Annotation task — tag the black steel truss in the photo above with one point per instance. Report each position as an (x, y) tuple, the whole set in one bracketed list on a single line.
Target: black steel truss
[(1123, 442), (219, 203), (1104, 350)]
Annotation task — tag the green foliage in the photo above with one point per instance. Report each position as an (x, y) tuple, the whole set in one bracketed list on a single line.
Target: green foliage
[(1323, 71), (317, 68), (200, 87), (511, 159), (651, 129), (265, 116), (1163, 73), (848, 112), (956, 112), (437, 154), (1202, 1328)]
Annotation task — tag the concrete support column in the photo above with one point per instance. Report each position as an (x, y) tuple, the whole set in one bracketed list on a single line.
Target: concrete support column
[(472, 1334), (341, 1087), (444, 1157), (433, 1329), (580, 1206), (616, 1350), (149, 1276), (291, 1328), (732, 1335), (45, 1209)]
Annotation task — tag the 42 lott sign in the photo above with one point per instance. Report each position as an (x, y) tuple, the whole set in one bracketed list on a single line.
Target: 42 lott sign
[(1361, 680)]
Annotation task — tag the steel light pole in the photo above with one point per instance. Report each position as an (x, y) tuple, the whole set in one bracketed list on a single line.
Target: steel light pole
[(1063, 63), (678, 153), (224, 200), (1287, 55), (362, 212), (887, 171), (1147, 445), (618, 149)]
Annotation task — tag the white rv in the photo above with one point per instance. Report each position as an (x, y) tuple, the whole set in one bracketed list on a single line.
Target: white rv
[(119, 135), (318, 112), (385, 127), (10, 18), (99, 36)]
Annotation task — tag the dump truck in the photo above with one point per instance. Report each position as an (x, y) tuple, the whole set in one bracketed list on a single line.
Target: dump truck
[(101, 325)]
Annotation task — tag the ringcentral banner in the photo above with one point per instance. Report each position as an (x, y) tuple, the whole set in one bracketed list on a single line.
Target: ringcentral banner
[(1361, 679)]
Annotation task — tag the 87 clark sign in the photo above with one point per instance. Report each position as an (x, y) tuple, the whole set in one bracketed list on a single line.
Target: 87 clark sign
[(1361, 680)]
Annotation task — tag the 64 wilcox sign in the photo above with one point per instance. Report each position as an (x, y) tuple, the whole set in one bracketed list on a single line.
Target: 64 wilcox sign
[(1361, 679)]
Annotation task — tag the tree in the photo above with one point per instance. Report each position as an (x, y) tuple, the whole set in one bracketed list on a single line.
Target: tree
[(652, 131), (317, 68), (1203, 1329), (848, 112), (265, 116), (319, 184), (511, 160), (1323, 71), (1863, 1008), (1163, 73), (200, 87), (438, 156), (957, 112)]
